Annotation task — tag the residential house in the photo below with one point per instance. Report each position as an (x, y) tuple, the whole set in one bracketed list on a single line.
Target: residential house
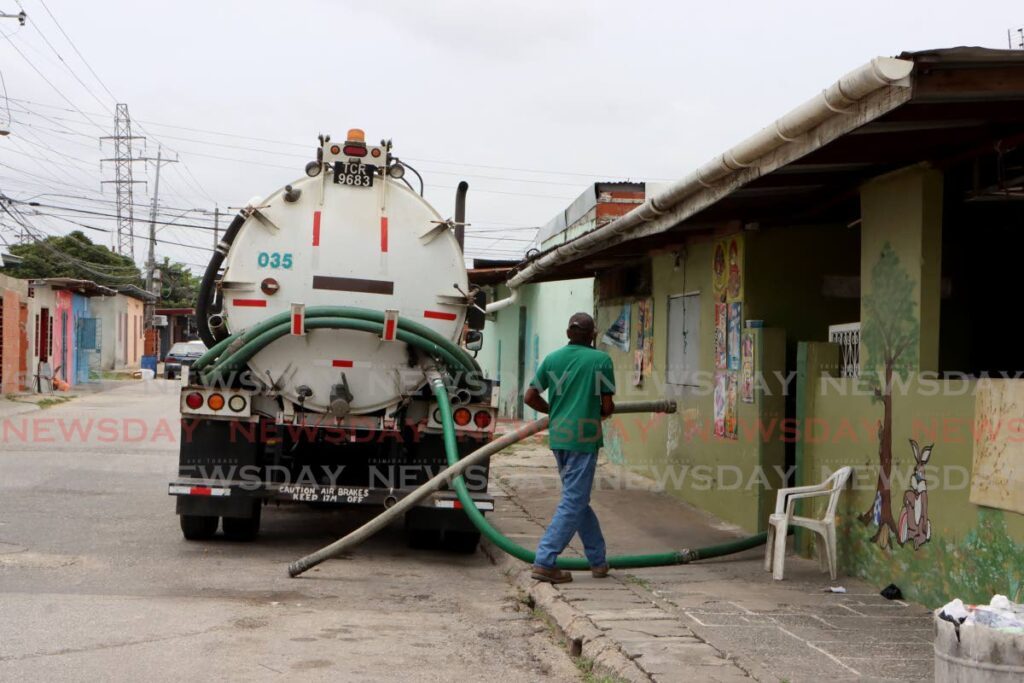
[(68, 336), (181, 326), (121, 322), (15, 339), (828, 293)]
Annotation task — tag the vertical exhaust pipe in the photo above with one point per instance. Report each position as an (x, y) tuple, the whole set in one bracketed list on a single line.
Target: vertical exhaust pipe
[(460, 214)]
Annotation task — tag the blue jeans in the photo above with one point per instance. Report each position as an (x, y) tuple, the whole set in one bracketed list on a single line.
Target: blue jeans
[(573, 514)]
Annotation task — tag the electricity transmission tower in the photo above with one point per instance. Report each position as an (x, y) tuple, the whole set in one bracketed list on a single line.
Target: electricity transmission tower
[(123, 181)]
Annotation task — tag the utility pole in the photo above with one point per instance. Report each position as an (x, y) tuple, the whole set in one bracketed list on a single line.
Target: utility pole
[(152, 276), (216, 226)]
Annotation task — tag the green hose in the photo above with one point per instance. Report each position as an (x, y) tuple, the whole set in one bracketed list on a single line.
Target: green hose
[(572, 563), (245, 336), (250, 342)]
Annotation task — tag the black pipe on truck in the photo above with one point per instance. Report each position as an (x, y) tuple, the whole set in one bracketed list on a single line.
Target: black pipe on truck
[(460, 214), (210, 278)]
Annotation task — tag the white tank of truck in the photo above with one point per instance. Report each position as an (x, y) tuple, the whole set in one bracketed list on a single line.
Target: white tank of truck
[(347, 234), (308, 393)]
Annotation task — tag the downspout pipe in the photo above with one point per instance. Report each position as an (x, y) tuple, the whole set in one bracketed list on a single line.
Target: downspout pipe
[(498, 305), (835, 100)]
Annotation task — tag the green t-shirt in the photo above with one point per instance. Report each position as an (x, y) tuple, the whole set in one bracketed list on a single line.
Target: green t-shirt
[(575, 376)]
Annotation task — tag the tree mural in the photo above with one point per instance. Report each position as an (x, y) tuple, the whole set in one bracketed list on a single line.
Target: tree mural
[(889, 334)]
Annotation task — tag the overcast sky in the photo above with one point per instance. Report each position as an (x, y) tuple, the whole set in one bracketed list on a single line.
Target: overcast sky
[(529, 102)]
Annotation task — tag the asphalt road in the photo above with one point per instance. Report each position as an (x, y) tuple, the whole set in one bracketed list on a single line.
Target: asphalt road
[(96, 582)]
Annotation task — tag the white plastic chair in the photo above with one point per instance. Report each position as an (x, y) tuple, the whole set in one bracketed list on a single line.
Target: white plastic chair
[(824, 528)]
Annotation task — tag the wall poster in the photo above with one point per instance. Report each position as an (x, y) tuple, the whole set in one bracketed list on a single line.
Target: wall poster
[(721, 394), (747, 367), (733, 337), (618, 334), (721, 353)]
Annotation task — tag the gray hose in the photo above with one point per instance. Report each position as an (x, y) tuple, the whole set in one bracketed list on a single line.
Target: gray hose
[(384, 519)]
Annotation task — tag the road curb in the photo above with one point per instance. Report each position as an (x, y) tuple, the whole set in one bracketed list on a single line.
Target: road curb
[(9, 409), (582, 636)]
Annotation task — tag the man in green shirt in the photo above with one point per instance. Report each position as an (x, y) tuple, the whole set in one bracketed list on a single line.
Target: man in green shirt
[(580, 382)]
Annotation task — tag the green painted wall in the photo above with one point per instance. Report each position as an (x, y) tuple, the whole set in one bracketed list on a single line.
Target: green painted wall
[(974, 551), (548, 308), (680, 451), (786, 270), (910, 437)]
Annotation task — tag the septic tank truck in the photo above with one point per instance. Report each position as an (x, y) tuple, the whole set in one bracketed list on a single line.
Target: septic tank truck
[(323, 309)]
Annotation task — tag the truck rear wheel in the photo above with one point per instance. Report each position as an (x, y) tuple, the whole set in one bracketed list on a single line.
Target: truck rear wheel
[(243, 528), (197, 527)]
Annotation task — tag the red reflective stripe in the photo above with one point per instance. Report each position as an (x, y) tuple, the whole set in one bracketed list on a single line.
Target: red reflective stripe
[(341, 363), (255, 303), (389, 330), (384, 234), (439, 315), (296, 324), (458, 505), (316, 228), (200, 491)]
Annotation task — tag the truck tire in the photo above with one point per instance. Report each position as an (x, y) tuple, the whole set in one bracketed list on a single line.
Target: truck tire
[(243, 528), (197, 527)]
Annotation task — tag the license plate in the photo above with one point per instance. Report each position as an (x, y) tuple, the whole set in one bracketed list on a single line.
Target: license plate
[(353, 175)]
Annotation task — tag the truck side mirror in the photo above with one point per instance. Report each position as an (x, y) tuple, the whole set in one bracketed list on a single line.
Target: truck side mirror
[(475, 316), (474, 340)]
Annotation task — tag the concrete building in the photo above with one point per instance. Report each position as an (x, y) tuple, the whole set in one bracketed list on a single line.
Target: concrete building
[(828, 293), (121, 322), (15, 337), (68, 336), (181, 326)]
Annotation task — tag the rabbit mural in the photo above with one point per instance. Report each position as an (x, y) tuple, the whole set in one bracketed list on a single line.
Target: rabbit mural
[(914, 524)]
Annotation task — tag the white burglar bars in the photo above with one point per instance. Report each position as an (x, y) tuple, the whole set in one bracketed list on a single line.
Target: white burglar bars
[(847, 336)]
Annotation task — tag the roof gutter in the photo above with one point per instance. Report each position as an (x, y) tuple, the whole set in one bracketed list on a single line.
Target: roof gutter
[(835, 100)]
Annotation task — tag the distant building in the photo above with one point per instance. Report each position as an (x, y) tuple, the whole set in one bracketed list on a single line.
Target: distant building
[(121, 321), (14, 334), (67, 334)]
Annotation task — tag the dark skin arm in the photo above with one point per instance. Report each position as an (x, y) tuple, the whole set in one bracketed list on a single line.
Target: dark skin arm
[(607, 405), (534, 400)]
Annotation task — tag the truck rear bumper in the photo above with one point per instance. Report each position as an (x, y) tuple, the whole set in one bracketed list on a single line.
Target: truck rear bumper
[(227, 493)]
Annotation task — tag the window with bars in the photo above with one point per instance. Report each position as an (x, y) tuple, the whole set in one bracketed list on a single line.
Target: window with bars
[(848, 338)]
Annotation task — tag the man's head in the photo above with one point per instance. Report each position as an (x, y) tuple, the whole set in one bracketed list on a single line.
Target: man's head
[(581, 329)]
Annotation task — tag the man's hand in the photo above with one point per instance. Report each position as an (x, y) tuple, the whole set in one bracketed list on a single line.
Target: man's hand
[(534, 400), (607, 405)]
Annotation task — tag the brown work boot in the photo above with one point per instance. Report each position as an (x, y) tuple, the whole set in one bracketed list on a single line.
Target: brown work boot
[(600, 572), (550, 575)]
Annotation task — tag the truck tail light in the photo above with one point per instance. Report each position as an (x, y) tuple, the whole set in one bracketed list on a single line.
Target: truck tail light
[(215, 402), (194, 400), (482, 419), (237, 403), (462, 416), (354, 150)]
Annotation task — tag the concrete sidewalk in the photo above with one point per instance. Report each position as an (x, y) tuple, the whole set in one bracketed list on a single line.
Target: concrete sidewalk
[(718, 620)]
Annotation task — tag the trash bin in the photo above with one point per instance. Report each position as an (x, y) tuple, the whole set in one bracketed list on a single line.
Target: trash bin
[(149, 363), (980, 654)]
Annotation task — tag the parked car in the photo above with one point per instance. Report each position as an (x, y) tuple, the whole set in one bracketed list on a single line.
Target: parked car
[(180, 355)]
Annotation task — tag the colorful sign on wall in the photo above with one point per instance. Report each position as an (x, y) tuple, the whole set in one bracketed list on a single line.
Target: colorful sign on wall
[(747, 367), (721, 353), (734, 258), (733, 338), (618, 334)]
